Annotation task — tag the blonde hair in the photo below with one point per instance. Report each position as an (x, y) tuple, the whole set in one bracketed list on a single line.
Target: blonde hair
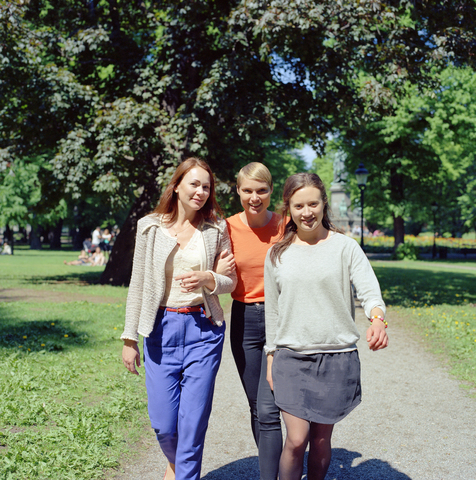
[(255, 171)]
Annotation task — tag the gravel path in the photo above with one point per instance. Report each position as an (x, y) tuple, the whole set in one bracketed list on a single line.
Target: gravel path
[(415, 423)]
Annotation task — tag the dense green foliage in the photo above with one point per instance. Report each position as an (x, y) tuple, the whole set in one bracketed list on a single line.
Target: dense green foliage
[(323, 166), (406, 251), (112, 94), (422, 155)]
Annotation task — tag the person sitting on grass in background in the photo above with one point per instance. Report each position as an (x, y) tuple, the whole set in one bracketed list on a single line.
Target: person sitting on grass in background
[(97, 259), (83, 259), (7, 250), (88, 245)]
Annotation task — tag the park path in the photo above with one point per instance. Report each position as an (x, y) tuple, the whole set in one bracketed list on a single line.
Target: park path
[(415, 422)]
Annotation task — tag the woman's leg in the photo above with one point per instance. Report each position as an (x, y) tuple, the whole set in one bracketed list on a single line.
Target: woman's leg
[(270, 436), (162, 380), (297, 438), (320, 451), (247, 340), (170, 472), (203, 346)]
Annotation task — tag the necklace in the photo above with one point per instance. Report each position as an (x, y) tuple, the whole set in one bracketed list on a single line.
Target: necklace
[(176, 233)]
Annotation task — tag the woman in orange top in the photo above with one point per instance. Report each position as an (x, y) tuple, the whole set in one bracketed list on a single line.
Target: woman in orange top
[(252, 233)]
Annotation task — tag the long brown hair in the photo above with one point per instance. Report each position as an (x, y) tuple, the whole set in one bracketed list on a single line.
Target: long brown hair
[(293, 184), (168, 203)]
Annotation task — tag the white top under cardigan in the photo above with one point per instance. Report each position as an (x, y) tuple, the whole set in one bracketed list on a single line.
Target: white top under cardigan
[(182, 261), (309, 297), (147, 285)]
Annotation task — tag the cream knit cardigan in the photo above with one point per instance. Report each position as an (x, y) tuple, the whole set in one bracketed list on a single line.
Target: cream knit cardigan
[(147, 286)]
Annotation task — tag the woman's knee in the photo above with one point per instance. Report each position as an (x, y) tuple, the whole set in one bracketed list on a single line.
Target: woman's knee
[(165, 433), (320, 434), (296, 443)]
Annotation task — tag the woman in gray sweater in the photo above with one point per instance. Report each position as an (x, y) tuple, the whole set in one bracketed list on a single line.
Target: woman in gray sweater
[(313, 364), (173, 303)]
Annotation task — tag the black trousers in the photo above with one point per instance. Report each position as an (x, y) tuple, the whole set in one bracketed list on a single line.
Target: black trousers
[(247, 341)]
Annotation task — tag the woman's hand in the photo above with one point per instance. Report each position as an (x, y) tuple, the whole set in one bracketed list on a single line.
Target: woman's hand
[(377, 336), (131, 356), (269, 375), (194, 280), (225, 263)]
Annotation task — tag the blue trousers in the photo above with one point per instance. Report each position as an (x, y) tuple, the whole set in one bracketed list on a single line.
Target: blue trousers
[(247, 342), (181, 358)]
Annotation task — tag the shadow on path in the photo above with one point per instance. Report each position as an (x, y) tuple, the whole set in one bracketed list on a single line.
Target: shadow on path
[(340, 469), (243, 469)]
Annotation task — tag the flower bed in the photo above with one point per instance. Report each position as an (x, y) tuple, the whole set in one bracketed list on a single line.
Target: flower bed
[(384, 244)]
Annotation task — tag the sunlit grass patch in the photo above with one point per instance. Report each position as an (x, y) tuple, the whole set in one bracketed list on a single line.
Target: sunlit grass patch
[(440, 302), (45, 270), (451, 331), (68, 405), (68, 409)]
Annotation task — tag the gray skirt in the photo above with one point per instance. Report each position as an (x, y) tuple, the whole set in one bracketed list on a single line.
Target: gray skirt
[(319, 388)]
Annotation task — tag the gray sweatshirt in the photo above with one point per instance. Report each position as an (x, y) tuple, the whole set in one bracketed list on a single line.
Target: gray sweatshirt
[(309, 298)]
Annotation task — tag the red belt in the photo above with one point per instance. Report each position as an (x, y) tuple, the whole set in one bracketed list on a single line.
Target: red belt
[(197, 308)]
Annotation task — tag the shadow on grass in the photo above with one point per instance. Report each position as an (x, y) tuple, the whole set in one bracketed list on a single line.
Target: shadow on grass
[(90, 277), (416, 287), (340, 469), (34, 336)]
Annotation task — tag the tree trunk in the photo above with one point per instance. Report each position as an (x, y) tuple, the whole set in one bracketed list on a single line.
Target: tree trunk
[(35, 241), (397, 194), (55, 243), (118, 270), (8, 235), (398, 231)]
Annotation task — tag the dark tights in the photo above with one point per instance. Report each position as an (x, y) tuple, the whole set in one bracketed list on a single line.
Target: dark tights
[(301, 433), (247, 342)]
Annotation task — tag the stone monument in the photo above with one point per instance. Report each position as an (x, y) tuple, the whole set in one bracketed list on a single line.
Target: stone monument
[(342, 215)]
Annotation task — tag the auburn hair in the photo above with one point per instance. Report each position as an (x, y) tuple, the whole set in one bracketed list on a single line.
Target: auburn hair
[(168, 203)]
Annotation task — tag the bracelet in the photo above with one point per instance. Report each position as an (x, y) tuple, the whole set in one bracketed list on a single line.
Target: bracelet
[(380, 318)]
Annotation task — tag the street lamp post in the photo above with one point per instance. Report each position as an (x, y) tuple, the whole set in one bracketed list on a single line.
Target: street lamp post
[(434, 208), (361, 174)]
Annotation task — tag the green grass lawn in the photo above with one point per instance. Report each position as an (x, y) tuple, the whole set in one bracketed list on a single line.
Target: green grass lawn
[(439, 301), (70, 410), (45, 270)]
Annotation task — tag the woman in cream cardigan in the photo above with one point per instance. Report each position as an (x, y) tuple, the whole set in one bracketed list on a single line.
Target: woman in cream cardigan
[(173, 304)]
